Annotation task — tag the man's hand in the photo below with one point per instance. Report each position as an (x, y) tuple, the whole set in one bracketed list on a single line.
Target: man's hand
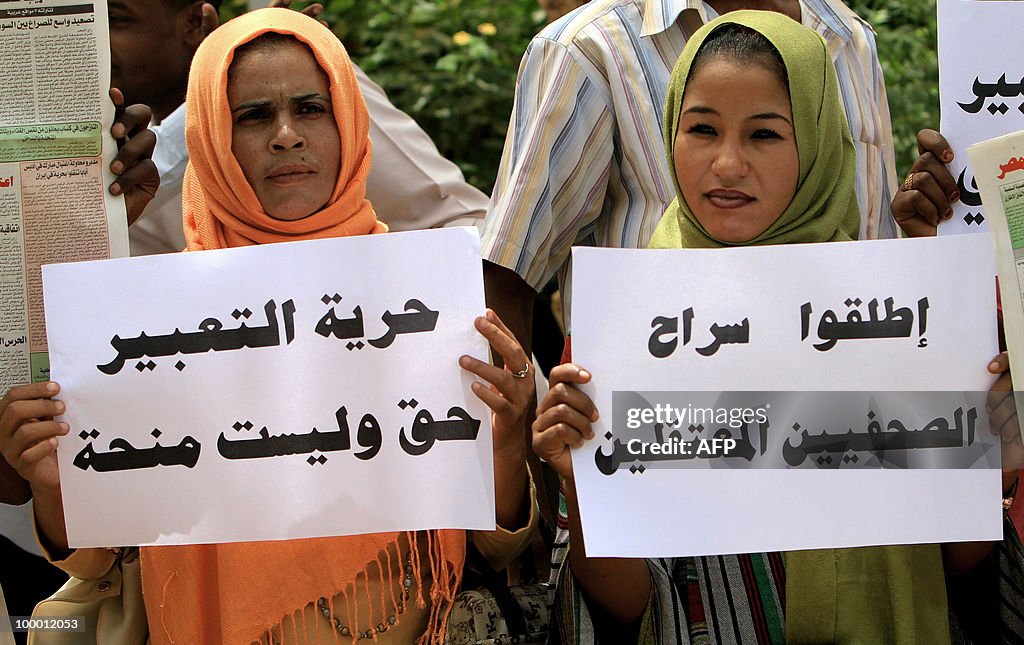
[(137, 176), (927, 193), (313, 11)]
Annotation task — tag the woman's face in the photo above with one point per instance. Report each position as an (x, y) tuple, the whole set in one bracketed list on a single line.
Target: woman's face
[(735, 149), (283, 131)]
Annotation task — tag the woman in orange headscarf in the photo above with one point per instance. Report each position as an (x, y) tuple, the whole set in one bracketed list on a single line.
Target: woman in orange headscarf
[(277, 134)]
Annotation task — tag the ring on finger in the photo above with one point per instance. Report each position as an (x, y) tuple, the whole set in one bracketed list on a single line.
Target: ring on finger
[(908, 183), (523, 372)]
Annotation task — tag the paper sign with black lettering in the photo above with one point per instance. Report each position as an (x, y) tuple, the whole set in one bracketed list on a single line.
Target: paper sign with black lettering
[(272, 392), (787, 397)]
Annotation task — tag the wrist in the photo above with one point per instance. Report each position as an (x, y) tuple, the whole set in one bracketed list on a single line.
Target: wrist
[(510, 446)]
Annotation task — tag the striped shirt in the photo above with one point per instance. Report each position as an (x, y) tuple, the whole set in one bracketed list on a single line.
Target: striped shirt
[(584, 160)]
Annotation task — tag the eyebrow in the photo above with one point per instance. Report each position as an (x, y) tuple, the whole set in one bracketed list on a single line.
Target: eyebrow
[(704, 109), (291, 99)]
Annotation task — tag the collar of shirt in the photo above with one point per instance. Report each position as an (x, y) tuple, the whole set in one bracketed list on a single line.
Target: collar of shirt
[(659, 15)]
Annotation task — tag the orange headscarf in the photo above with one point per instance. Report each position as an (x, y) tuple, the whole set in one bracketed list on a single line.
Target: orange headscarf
[(235, 593), (220, 208)]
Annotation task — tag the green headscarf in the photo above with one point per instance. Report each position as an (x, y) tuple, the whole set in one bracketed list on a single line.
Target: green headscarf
[(888, 594), (824, 208)]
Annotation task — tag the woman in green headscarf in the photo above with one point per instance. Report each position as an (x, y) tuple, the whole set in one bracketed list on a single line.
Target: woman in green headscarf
[(759, 146)]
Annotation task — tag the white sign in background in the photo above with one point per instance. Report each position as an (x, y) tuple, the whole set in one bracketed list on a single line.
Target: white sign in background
[(981, 89), (674, 512), (298, 331)]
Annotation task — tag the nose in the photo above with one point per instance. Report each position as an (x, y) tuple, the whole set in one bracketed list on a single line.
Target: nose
[(730, 162), (286, 136)]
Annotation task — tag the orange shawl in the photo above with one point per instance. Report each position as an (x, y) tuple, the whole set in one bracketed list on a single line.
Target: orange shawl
[(235, 593)]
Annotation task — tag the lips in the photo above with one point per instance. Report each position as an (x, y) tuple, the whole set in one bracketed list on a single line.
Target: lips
[(290, 173), (726, 198)]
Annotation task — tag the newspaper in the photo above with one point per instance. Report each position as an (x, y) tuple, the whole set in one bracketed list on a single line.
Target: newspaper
[(55, 153), (999, 171)]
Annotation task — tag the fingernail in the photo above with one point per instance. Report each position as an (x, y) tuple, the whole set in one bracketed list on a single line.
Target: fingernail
[(117, 131), (64, 427), (955, 197), (60, 406), (53, 441), (993, 366), (117, 167), (52, 387), (948, 213), (947, 156), (464, 361), (115, 188), (595, 416), (584, 373), (491, 315)]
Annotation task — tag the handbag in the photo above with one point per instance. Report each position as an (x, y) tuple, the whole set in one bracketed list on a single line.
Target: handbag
[(110, 608), (491, 612)]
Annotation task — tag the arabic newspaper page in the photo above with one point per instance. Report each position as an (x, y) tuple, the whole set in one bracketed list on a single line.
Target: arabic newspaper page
[(55, 150), (999, 165)]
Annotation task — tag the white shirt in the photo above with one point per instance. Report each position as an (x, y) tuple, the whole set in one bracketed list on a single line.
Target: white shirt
[(411, 186)]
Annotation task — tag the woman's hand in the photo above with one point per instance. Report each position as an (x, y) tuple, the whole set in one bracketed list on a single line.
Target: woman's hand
[(137, 176), (564, 418), (28, 433), (1003, 421), (509, 393)]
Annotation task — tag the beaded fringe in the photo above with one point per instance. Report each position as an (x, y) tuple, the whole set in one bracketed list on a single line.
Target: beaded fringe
[(446, 582)]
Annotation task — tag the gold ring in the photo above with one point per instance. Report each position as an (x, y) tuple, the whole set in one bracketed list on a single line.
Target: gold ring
[(522, 373), (908, 183)]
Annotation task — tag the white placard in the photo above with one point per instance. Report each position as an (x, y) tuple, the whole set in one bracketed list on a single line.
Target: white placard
[(981, 90), (945, 344), (280, 391)]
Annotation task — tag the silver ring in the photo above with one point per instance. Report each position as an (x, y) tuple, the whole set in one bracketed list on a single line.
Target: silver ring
[(521, 373)]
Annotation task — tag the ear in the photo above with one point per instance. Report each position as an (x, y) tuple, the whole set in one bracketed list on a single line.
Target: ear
[(200, 20)]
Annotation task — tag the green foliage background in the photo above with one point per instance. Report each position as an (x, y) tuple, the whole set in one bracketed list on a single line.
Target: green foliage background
[(440, 61)]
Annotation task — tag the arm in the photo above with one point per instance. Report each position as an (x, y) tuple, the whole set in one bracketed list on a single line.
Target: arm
[(962, 558), (411, 184), (552, 181), (621, 587), (512, 299), (508, 396), (883, 168), (501, 546), (13, 489)]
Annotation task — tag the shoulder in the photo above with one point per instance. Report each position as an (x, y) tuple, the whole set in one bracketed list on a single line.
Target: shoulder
[(843, 19), (586, 23)]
